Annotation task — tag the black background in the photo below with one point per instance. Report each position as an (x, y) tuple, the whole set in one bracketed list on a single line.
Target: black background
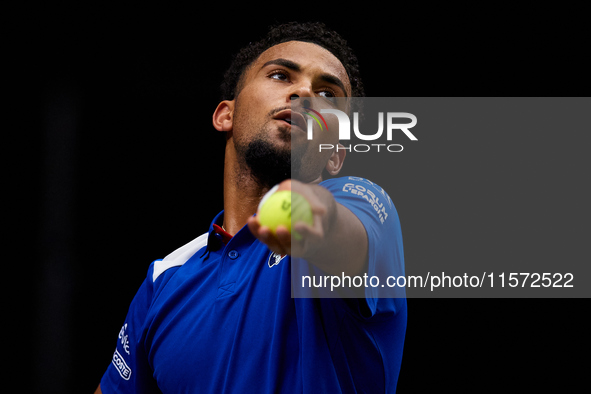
[(116, 164)]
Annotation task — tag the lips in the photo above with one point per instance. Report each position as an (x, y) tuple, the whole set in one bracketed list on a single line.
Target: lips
[(292, 118)]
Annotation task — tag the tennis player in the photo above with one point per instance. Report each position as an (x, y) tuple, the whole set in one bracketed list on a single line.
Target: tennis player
[(218, 315)]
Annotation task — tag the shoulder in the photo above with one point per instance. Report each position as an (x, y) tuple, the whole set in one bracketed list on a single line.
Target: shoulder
[(361, 195), (177, 258), (357, 186)]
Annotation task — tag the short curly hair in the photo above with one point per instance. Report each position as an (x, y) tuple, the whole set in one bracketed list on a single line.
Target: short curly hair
[(313, 32)]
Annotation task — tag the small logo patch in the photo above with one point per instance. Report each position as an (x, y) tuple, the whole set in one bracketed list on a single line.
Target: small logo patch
[(124, 338), (121, 365), (274, 259)]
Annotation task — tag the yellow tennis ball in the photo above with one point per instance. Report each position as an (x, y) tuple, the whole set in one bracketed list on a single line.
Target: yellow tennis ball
[(283, 208)]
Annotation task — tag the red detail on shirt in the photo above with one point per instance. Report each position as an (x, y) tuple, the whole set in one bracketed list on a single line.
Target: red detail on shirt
[(226, 236)]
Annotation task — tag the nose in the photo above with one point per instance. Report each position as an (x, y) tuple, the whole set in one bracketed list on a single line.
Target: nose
[(304, 103), (301, 90)]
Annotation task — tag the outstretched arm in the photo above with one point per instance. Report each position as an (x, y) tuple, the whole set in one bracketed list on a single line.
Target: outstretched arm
[(336, 242)]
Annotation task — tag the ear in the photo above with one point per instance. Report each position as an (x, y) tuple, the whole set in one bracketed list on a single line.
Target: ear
[(336, 160), (223, 116)]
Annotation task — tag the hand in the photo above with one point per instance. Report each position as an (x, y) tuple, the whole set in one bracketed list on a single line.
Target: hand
[(312, 237)]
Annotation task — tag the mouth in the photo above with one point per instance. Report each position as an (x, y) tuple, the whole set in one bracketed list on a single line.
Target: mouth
[(292, 118)]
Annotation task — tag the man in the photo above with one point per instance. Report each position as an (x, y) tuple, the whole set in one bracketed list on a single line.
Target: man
[(217, 315)]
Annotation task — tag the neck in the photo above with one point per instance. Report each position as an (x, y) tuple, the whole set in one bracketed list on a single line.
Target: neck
[(242, 193)]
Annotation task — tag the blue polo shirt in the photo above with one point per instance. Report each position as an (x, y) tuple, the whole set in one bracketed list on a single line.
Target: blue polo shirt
[(219, 317)]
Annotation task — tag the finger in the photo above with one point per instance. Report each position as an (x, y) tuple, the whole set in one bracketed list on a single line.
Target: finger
[(275, 241), (304, 190), (266, 236), (316, 229), (260, 232), (306, 238), (316, 205), (253, 225), (285, 185), (283, 237)]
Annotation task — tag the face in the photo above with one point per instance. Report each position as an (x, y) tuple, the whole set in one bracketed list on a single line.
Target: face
[(266, 133)]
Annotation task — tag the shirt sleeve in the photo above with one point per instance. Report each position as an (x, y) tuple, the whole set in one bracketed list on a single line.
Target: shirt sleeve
[(376, 211), (129, 370)]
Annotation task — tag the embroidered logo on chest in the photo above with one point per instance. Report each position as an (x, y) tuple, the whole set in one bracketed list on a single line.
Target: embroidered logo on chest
[(274, 259)]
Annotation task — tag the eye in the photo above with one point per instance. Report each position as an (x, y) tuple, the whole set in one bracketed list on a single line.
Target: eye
[(279, 75), (327, 93)]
